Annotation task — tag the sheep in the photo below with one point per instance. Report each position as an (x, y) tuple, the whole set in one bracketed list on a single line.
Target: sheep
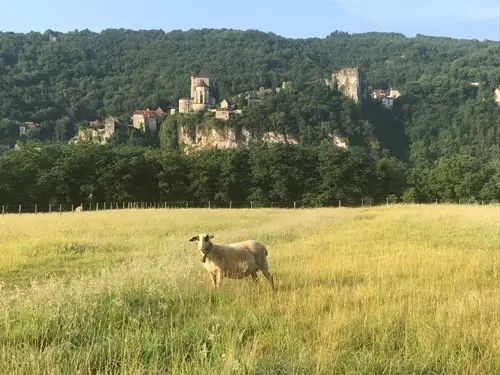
[(235, 261)]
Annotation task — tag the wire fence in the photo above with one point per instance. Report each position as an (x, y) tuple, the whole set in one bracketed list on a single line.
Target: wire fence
[(105, 206)]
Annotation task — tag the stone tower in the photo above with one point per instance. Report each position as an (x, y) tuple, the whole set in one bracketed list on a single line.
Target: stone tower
[(200, 98), (197, 79)]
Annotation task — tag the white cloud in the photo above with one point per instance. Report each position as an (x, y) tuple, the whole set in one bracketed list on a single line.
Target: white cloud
[(429, 11)]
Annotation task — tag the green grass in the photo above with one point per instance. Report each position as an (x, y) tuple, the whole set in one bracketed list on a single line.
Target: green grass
[(383, 290)]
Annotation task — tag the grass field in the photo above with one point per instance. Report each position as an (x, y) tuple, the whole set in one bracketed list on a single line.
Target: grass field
[(383, 290)]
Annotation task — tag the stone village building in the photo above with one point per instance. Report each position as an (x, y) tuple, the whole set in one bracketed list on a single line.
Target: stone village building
[(200, 99), (387, 100), (143, 118), (226, 110)]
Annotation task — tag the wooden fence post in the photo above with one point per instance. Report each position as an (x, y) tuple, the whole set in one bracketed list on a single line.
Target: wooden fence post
[(36, 209), (60, 209), (294, 204), (340, 203), (3, 210), (387, 200), (19, 209)]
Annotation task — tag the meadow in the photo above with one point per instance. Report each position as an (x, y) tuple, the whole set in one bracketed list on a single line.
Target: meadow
[(403, 289)]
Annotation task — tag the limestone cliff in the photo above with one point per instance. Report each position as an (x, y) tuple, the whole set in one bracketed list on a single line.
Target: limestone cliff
[(349, 82), (227, 138), (211, 137)]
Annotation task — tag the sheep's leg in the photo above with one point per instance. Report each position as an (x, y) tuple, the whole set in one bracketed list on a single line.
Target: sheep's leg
[(213, 276), (269, 278), (254, 275), (218, 279)]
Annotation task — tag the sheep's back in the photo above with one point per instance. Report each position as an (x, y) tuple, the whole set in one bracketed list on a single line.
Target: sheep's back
[(250, 245), (255, 247)]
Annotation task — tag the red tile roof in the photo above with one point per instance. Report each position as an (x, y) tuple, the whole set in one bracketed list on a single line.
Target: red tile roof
[(149, 113)]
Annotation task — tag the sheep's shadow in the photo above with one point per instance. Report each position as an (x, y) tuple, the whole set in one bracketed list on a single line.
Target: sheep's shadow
[(335, 282)]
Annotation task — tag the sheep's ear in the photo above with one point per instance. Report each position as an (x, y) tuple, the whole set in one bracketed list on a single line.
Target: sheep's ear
[(195, 238), (210, 236)]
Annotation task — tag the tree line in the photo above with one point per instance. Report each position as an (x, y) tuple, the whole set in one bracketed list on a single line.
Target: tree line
[(71, 174)]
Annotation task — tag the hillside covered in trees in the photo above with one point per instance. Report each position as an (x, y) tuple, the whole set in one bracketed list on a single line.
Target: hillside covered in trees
[(439, 141)]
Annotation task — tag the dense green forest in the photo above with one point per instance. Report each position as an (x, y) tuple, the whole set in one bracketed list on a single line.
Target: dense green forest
[(441, 139)]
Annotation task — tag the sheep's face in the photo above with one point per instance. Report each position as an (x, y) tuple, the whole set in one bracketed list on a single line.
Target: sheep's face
[(203, 239)]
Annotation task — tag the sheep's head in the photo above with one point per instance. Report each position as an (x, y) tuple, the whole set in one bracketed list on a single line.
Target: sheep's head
[(204, 244)]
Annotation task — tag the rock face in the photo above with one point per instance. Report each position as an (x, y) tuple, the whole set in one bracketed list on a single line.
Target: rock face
[(227, 138), (207, 138), (337, 141), (349, 82), (272, 137)]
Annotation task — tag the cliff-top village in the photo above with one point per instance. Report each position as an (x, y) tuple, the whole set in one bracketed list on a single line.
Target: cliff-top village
[(348, 81)]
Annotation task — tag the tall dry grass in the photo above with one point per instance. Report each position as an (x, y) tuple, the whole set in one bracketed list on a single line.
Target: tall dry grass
[(385, 290)]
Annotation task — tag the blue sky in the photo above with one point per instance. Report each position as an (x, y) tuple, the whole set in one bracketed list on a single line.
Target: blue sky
[(478, 19)]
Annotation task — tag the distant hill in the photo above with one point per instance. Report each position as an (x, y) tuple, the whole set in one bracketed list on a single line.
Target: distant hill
[(84, 74)]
